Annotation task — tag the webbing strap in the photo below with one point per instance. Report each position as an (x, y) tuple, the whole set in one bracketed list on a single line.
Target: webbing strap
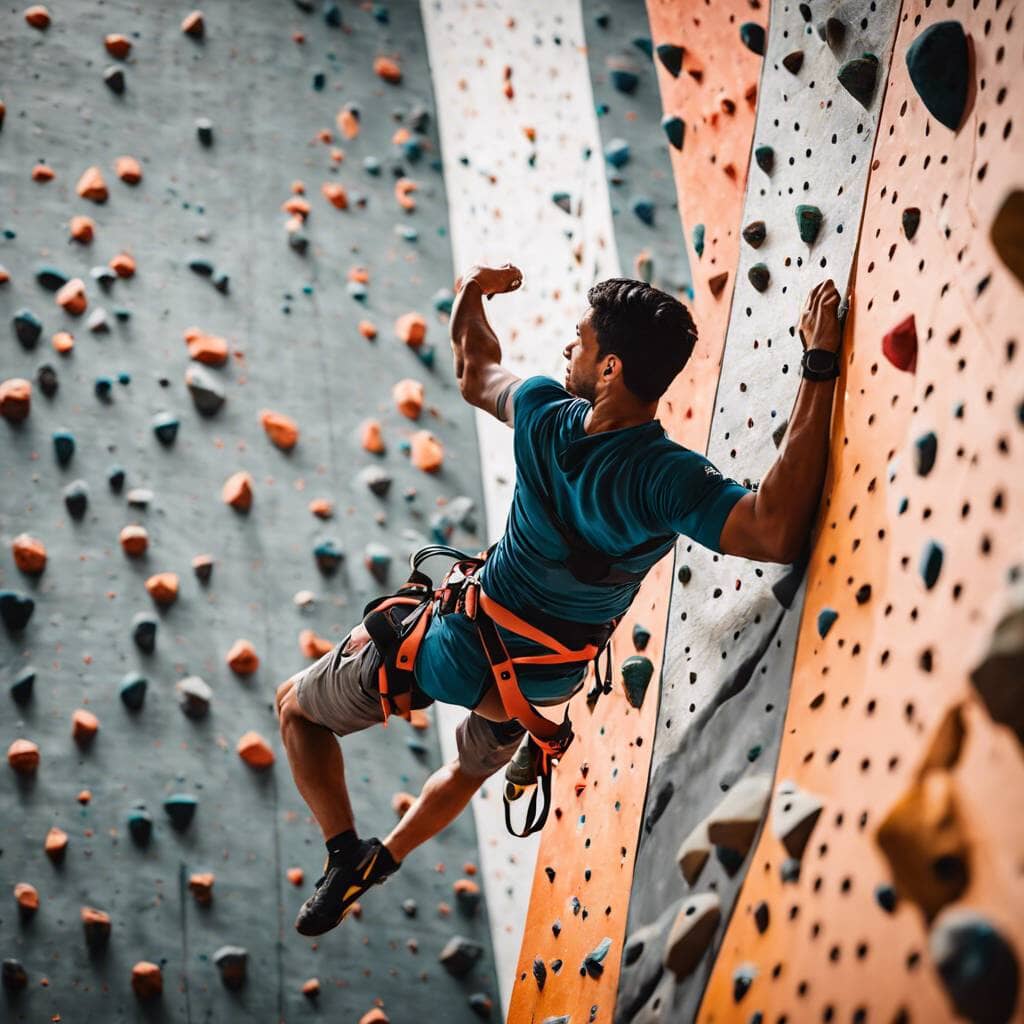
[(533, 822)]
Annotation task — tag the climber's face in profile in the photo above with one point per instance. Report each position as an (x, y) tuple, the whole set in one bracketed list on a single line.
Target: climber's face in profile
[(582, 372)]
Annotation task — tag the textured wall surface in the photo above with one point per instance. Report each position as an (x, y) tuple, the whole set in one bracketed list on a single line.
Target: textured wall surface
[(911, 871), (290, 321), (733, 623)]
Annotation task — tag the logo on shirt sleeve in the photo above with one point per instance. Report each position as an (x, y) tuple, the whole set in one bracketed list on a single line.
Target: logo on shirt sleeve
[(710, 470)]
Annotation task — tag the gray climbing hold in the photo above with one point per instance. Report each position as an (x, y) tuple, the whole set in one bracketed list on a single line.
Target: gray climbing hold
[(858, 78), (232, 962), (104, 277), (808, 222), (76, 498), (671, 56), (133, 691), (641, 637), (593, 962), (144, 627), (754, 233), (181, 809), (911, 218), (165, 427), (139, 497), (194, 696), (794, 814), (27, 328), (410, 907), (206, 390), (735, 821), (204, 131), (63, 446), (931, 563), (764, 157), (377, 479), (140, 825), (752, 37), (23, 685), (939, 65), (97, 321), (789, 870), (637, 671), (459, 955), (16, 609), (925, 449), (329, 556), (674, 129), (977, 965), (826, 619), (794, 61), (114, 79), (692, 931), (377, 559), (759, 276), (998, 676), (698, 240)]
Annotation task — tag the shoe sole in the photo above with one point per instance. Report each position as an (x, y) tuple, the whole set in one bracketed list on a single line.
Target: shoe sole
[(352, 890)]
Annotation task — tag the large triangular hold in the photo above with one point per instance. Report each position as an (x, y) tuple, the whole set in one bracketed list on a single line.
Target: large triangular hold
[(691, 934), (858, 78), (939, 67), (794, 815), (735, 821)]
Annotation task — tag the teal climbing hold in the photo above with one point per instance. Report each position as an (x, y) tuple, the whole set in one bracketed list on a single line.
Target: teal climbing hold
[(593, 962), (16, 609), (443, 300), (826, 618), (63, 446), (140, 826), (50, 278), (759, 276), (115, 478), (641, 637), (637, 671), (858, 78), (925, 449), (27, 328), (645, 45), (23, 686), (764, 157), (616, 153), (808, 222), (939, 67), (165, 427), (329, 556), (644, 210), (671, 56), (132, 691), (674, 129), (563, 201), (903, 506), (698, 240), (754, 753), (624, 81), (931, 563), (752, 37), (181, 809), (103, 386)]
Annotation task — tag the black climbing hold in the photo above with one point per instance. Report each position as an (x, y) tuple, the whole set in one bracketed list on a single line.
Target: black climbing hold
[(550, 872), (114, 79), (204, 131), (794, 61), (858, 77), (805, 12), (27, 328), (144, 631), (761, 916), (51, 278), (911, 219), (562, 200), (76, 498), (636, 675), (221, 282), (16, 609), (674, 129), (459, 955), (23, 685), (754, 233), (657, 806), (672, 57), (46, 378), (698, 240), (645, 45), (764, 157), (925, 449), (808, 222), (730, 859), (181, 809), (624, 81), (332, 15), (835, 33), (786, 588), (1007, 233), (931, 563), (885, 896), (684, 575), (133, 691), (481, 1004), (115, 478), (329, 557), (641, 637), (14, 975), (826, 619), (165, 427), (752, 37), (232, 962), (556, 928), (939, 68), (759, 276), (201, 265), (742, 979), (863, 594), (593, 962), (540, 973), (779, 432), (140, 826), (409, 907)]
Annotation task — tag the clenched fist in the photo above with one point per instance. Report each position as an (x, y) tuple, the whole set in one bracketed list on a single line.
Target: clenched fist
[(819, 321), (492, 280)]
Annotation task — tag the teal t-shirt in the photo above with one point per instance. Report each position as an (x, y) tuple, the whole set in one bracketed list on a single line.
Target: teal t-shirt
[(618, 489)]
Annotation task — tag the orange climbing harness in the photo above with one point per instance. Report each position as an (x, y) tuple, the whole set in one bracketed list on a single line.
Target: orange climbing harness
[(398, 622)]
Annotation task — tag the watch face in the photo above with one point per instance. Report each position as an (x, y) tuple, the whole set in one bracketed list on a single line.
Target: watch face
[(820, 361)]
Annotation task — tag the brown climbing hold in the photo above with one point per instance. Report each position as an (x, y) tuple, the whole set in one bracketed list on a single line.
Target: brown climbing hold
[(117, 45), (63, 342), (384, 67), (82, 229), (96, 924), (370, 437), (27, 897), (735, 821), (163, 588), (237, 491), (998, 674), (691, 933), (427, 452), (37, 16), (412, 329), (15, 399), (134, 540), (206, 348), (313, 646), (71, 297), (200, 884), (311, 988), (92, 186), (404, 189), (335, 194), (122, 264), (84, 726), (282, 430), (375, 1016), (202, 566), (242, 659), (296, 876), (56, 844), (401, 802), (147, 980), (42, 173), (408, 396), (23, 757), (193, 25), (255, 751), (29, 554), (322, 508), (718, 282)]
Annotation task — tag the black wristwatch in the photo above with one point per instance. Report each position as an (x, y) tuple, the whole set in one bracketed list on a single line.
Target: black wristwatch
[(819, 364)]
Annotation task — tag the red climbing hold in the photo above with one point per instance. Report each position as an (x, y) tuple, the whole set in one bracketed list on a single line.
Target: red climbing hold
[(900, 345)]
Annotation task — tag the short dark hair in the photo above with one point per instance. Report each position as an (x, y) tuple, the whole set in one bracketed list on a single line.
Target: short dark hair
[(649, 330)]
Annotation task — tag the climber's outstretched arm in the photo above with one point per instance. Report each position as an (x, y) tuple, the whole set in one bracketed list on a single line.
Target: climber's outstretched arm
[(483, 381), (774, 524)]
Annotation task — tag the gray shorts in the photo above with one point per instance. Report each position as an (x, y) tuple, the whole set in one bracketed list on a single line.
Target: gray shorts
[(339, 691)]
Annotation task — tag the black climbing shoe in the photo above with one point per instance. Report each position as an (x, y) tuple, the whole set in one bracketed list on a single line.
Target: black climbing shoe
[(344, 880)]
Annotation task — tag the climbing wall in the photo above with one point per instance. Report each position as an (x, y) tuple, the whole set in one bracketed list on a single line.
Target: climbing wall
[(899, 896), (285, 207), (733, 623)]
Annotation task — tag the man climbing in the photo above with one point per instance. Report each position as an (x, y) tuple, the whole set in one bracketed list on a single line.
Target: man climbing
[(601, 494)]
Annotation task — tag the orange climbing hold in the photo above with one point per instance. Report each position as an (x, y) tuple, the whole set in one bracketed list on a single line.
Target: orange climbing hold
[(84, 796), (63, 342), (412, 329), (335, 194), (42, 173), (15, 399), (404, 189), (237, 491), (401, 802), (29, 554), (200, 884), (122, 264), (55, 844), (206, 348), (23, 757), (134, 540), (71, 297), (296, 876), (419, 719), (163, 588), (384, 67), (193, 25), (297, 206), (348, 123), (27, 897), (92, 186), (84, 726), (117, 45), (282, 430), (313, 646), (147, 980), (37, 16), (427, 451), (321, 508), (375, 1016), (82, 229), (242, 658), (311, 988), (408, 396), (255, 751)]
